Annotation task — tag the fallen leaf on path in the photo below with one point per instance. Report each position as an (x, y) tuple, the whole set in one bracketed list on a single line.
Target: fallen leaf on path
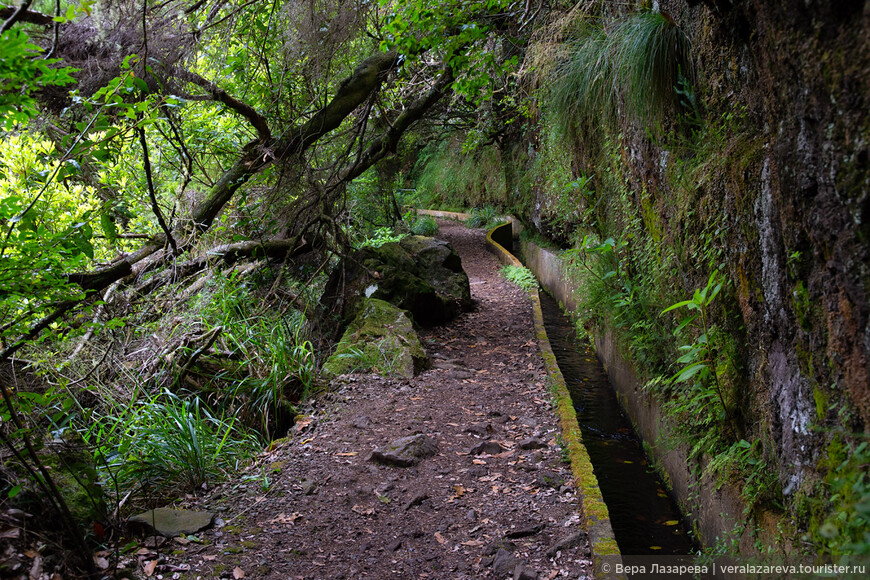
[(303, 421), (238, 573), (285, 519), (149, 567), (348, 454), (101, 563), (459, 492), (440, 538), (11, 533), (36, 568), (472, 543), (477, 461), (363, 511), (209, 558)]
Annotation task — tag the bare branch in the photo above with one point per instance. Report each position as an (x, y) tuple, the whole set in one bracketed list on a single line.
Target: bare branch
[(386, 143), (146, 161), (22, 14), (259, 154)]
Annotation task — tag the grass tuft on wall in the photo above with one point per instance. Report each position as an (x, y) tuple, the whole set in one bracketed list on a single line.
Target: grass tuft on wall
[(637, 64)]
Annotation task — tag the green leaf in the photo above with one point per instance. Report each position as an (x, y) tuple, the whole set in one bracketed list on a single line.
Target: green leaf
[(689, 372), (678, 305), (109, 227), (14, 491), (141, 85)]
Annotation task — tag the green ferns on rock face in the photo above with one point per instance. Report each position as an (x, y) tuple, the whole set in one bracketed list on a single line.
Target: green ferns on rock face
[(639, 61)]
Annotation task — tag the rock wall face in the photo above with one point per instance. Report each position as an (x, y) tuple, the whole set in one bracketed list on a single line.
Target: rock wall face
[(801, 71)]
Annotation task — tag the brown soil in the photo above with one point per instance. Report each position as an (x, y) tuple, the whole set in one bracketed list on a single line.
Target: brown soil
[(318, 507)]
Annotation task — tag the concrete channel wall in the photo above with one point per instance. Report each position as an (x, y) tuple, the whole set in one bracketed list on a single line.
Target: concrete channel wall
[(714, 513), (595, 513)]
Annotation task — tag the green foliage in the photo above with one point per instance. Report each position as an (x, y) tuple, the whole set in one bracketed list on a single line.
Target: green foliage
[(424, 226), (48, 230), (637, 61), (23, 72), (460, 31), (704, 366), (521, 276), (448, 176), (841, 524), (483, 217), (743, 463), (166, 442), (380, 237), (374, 201)]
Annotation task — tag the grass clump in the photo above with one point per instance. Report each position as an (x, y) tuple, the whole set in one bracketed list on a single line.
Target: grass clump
[(640, 62), (270, 364), (424, 226), (483, 217), (166, 442), (521, 276)]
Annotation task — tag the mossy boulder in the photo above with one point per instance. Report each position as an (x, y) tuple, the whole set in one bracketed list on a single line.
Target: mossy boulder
[(72, 470), (421, 275), (380, 339)]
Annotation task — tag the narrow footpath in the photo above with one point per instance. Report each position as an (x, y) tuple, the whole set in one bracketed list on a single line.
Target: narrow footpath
[(495, 501)]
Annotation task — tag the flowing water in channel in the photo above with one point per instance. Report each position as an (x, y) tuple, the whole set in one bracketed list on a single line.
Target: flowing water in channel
[(644, 517)]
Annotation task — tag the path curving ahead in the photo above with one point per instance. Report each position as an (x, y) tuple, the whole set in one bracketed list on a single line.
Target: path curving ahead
[(494, 502)]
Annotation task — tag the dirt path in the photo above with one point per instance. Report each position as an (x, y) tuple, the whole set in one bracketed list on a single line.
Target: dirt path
[(316, 507)]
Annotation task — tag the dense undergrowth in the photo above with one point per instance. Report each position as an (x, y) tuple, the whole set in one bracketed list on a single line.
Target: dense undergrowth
[(173, 389)]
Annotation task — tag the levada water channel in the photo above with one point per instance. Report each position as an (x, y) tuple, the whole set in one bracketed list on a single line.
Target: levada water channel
[(645, 519)]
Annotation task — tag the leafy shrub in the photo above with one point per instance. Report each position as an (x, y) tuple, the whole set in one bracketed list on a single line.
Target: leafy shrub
[(382, 236)]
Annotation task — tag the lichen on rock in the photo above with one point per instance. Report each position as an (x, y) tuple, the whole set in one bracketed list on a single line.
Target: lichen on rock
[(380, 339)]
